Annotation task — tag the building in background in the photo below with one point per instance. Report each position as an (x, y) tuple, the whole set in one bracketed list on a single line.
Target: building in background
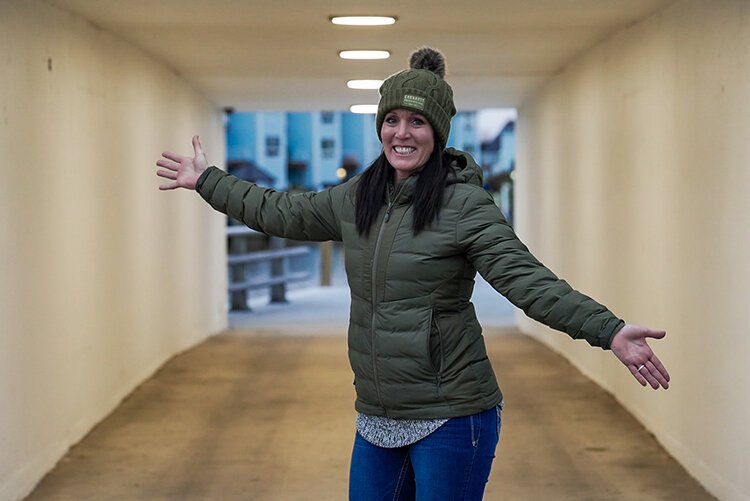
[(465, 134), (499, 154), (360, 144), (499, 163), (312, 150), (259, 139)]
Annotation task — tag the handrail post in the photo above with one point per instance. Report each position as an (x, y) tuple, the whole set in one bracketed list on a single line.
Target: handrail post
[(238, 298), (278, 291), (326, 262)]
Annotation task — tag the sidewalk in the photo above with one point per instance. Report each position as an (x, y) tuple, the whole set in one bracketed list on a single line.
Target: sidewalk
[(317, 310)]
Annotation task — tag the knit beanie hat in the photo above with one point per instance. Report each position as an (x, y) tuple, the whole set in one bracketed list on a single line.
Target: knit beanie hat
[(421, 88)]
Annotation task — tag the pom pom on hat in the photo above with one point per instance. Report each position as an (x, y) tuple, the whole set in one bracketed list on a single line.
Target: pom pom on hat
[(427, 58), (421, 88)]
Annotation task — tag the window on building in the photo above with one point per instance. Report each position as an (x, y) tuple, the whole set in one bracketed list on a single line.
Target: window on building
[(327, 117), (327, 146), (273, 144)]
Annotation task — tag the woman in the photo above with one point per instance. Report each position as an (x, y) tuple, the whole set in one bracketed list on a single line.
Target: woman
[(416, 227)]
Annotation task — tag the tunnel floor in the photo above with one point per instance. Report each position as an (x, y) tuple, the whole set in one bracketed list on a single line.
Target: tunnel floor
[(251, 414)]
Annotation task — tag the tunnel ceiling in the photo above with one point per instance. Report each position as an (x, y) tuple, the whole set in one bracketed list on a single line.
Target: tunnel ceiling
[(283, 55)]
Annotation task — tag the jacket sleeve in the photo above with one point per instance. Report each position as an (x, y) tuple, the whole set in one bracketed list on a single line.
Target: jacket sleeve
[(307, 216), (504, 261)]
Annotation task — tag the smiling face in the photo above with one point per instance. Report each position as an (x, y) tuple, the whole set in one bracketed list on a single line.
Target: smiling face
[(408, 141)]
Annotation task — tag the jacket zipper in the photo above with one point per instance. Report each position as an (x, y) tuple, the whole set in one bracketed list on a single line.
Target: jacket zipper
[(439, 376), (381, 230)]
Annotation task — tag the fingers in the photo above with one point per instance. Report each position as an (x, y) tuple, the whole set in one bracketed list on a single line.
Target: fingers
[(166, 174), (169, 186), (630, 347), (659, 367), (174, 165), (643, 376), (651, 373), (655, 334), (174, 157), (652, 369), (656, 375), (646, 372), (168, 164), (197, 147), (637, 375)]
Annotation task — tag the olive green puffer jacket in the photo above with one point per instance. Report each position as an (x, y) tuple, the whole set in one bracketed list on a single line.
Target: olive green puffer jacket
[(415, 345)]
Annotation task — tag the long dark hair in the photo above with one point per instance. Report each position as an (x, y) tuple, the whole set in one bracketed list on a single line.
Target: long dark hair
[(428, 193)]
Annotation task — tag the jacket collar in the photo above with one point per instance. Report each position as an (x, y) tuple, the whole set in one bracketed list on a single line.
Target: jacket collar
[(463, 169)]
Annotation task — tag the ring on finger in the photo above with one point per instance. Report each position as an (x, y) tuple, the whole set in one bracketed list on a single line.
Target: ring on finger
[(641, 367)]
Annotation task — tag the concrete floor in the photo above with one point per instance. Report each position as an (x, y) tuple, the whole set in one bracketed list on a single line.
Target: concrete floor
[(267, 414)]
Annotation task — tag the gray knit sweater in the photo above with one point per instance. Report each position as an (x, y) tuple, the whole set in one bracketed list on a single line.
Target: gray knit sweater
[(391, 433)]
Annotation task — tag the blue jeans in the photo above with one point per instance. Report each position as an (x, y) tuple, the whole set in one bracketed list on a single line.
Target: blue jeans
[(453, 463)]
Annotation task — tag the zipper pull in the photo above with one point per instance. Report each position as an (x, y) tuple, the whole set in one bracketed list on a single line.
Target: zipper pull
[(387, 215)]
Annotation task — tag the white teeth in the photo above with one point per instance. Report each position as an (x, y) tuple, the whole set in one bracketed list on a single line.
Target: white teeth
[(403, 149)]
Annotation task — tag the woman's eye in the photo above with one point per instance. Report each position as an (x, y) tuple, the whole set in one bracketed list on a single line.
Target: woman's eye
[(418, 121), (390, 120)]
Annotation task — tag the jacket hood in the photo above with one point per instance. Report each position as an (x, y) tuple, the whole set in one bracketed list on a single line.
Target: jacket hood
[(464, 168)]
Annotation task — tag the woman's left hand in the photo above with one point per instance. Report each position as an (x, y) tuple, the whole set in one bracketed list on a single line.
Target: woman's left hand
[(630, 347)]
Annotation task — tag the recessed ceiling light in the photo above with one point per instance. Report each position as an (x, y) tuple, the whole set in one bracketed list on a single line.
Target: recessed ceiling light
[(364, 109), (364, 84), (364, 54), (363, 20)]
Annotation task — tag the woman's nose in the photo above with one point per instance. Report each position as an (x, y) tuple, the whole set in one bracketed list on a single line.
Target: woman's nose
[(403, 130)]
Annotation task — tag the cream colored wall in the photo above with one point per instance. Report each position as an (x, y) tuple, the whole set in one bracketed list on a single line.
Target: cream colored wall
[(634, 168), (102, 276)]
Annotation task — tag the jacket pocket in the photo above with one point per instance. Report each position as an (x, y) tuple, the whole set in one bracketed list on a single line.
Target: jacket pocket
[(402, 339)]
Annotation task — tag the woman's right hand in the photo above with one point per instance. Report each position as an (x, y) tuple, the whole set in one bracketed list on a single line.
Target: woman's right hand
[(181, 170)]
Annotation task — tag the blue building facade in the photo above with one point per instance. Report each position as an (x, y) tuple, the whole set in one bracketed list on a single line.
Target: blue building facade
[(315, 146), (498, 164), (360, 144), (260, 138), (312, 150), (465, 134)]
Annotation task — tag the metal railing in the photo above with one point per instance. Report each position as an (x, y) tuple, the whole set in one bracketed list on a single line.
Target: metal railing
[(243, 279)]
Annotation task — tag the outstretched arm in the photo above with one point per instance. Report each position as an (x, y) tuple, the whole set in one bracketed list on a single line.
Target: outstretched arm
[(182, 171), (503, 260), (506, 263), (630, 347), (310, 216)]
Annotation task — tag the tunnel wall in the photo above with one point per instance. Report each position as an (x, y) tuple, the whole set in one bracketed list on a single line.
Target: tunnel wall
[(632, 184), (103, 276)]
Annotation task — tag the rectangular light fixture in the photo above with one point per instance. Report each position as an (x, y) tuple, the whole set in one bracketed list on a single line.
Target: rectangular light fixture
[(364, 54), (364, 84), (363, 20), (364, 109)]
